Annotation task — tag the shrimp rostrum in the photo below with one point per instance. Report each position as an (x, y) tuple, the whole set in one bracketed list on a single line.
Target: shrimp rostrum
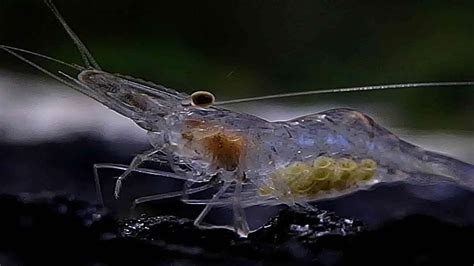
[(252, 161)]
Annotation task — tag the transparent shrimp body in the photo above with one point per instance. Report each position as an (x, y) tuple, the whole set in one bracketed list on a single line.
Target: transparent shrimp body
[(201, 143), (257, 162), (254, 161), (317, 156)]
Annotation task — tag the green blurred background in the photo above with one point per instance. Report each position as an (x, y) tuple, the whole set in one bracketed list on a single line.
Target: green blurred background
[(251, 48)]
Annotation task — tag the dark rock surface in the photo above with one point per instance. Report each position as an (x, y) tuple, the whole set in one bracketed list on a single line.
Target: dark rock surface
[(287, 237), (49, 230)]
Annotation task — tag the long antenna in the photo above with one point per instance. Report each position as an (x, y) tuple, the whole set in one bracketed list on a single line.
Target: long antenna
[(349, 89), (89, 60), (74, 66), (29, 62)]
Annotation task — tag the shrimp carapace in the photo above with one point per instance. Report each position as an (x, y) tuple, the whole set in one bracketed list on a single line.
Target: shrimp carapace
[(223, 147), (324, 174)]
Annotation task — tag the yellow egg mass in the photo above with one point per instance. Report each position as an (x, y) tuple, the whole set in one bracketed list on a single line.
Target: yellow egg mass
[(324, 174)]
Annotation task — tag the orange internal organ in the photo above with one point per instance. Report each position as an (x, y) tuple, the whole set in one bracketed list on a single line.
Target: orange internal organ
[(223, 147)]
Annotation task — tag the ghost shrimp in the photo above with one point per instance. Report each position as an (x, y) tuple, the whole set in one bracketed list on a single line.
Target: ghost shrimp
[(252, 161)]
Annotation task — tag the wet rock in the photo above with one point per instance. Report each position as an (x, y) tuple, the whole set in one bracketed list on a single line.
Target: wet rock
[(305, 226), (286, 238), (48, 229)]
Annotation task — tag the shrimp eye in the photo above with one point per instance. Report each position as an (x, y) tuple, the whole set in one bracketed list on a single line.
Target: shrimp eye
[(202, 99)]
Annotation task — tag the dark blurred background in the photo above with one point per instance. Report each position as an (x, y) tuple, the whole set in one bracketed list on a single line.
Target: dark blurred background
[(249, 48), (52, 135)]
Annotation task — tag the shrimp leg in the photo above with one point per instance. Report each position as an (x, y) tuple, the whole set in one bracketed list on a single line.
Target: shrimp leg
[(137, 161), (185, 192), (138, 170), (124, 167), (209, 206), (241, 226)]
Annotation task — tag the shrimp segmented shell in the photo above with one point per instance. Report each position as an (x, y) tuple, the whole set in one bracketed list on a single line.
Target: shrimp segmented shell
[(253, 161)]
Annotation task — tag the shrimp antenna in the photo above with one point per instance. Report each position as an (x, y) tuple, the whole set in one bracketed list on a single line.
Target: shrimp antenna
[(7, 48), (89, 60), (349, 89), (75, 85)]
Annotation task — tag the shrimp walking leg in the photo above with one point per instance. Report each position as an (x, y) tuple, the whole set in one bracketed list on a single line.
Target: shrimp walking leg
[(187, 186), (248, 202), (184, 192), (98, 188), (248, 197), (124, 167), (208, 207), (137, 161), (138, 170), (241, 226)]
